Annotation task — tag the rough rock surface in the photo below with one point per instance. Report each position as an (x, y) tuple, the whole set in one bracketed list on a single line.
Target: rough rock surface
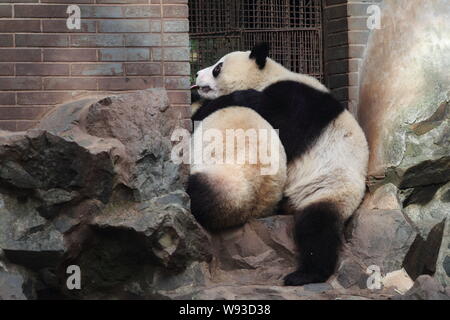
[(93, 185), (405, 113)]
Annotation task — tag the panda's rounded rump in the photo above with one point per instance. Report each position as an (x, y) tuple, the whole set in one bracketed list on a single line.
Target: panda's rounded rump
[(229, 194)]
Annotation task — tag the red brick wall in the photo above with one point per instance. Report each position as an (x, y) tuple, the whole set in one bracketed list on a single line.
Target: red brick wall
[(122, 45)]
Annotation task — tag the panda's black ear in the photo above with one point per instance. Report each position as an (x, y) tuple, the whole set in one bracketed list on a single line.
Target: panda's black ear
[(259, 54)]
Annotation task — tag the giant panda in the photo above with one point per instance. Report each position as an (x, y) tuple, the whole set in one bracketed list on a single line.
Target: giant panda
[(327, 152), (227, 194)]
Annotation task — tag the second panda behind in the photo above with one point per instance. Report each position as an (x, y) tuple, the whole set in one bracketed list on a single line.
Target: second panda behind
[(327, 152)]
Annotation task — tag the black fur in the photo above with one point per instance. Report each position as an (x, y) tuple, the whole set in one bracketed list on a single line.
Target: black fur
[(260, 53), (205, 202), (297, 110), (195, 96), (317, 234), (216, 71)]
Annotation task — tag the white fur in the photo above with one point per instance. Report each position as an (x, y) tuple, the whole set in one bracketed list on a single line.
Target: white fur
[(241, 186), (241, 73), (334, 169)]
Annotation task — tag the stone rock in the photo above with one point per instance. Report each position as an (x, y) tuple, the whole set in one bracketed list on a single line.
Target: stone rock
[(94, 185), (381, 238), (16, 283), (399, 280), (260, 252), (443, 261), (383, 198), (425, 288), (405, 112)]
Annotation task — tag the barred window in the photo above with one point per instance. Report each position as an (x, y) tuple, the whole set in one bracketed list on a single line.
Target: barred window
[(292, 27)]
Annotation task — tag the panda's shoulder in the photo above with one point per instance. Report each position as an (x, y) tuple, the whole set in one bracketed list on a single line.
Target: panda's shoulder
[(295, 94)]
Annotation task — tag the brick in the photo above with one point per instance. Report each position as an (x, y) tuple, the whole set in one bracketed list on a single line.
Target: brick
[(148, 11), (22, 1), (176, 26), (343, 66), (66, 1), (39, 11), (70, 55), (177, 83), (357, 23), (25, 125), (337, 39), (351, 37), (357, 9), (175, 11), (124, 54), (8, 125), (42, 69), (333, 2), (97, 69), (137, 69), (20, 26), (170, 1), (5, 11), (61, 26), (122, 1), (41, 40), (124, 26), (22, 113), (13, 55), (179, 97), (338, 81), (340, 94), (20, 83), (155, 26), (119, 84), (70, 83), (7, 98), (6, 40), (177, 68), (171, 54), (6, 69), (143, 40), (353, 51), (176, 39), (44, 98), (97, 40), (336, 12)]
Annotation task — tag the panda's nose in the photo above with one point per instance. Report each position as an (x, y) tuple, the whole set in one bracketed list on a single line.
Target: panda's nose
[(196, 75)]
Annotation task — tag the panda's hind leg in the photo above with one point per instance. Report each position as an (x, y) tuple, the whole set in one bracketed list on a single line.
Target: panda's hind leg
[(317, 235)]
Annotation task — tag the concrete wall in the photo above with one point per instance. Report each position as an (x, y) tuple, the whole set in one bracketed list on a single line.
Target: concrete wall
[(122, 45)]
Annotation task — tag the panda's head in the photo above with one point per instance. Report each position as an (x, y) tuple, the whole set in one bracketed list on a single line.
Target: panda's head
[(237, 70)]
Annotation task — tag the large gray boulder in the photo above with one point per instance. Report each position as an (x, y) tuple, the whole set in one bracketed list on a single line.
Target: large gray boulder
[(93, 185)]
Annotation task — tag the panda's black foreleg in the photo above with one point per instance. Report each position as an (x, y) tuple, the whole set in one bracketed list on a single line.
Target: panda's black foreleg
[(317, 235)]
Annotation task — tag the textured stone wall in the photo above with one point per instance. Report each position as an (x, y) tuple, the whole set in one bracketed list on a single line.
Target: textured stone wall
[(122, 45), (404, 109)]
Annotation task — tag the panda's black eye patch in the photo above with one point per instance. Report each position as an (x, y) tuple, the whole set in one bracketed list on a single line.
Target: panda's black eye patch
[(217, 70)]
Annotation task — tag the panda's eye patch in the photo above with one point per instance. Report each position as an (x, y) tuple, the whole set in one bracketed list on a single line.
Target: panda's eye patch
[(217, 70)]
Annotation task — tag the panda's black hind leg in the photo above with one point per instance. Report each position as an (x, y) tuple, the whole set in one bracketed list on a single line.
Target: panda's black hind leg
[(317, 235)]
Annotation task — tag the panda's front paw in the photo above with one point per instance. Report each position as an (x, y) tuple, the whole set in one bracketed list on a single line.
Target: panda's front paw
[(299, 278)]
